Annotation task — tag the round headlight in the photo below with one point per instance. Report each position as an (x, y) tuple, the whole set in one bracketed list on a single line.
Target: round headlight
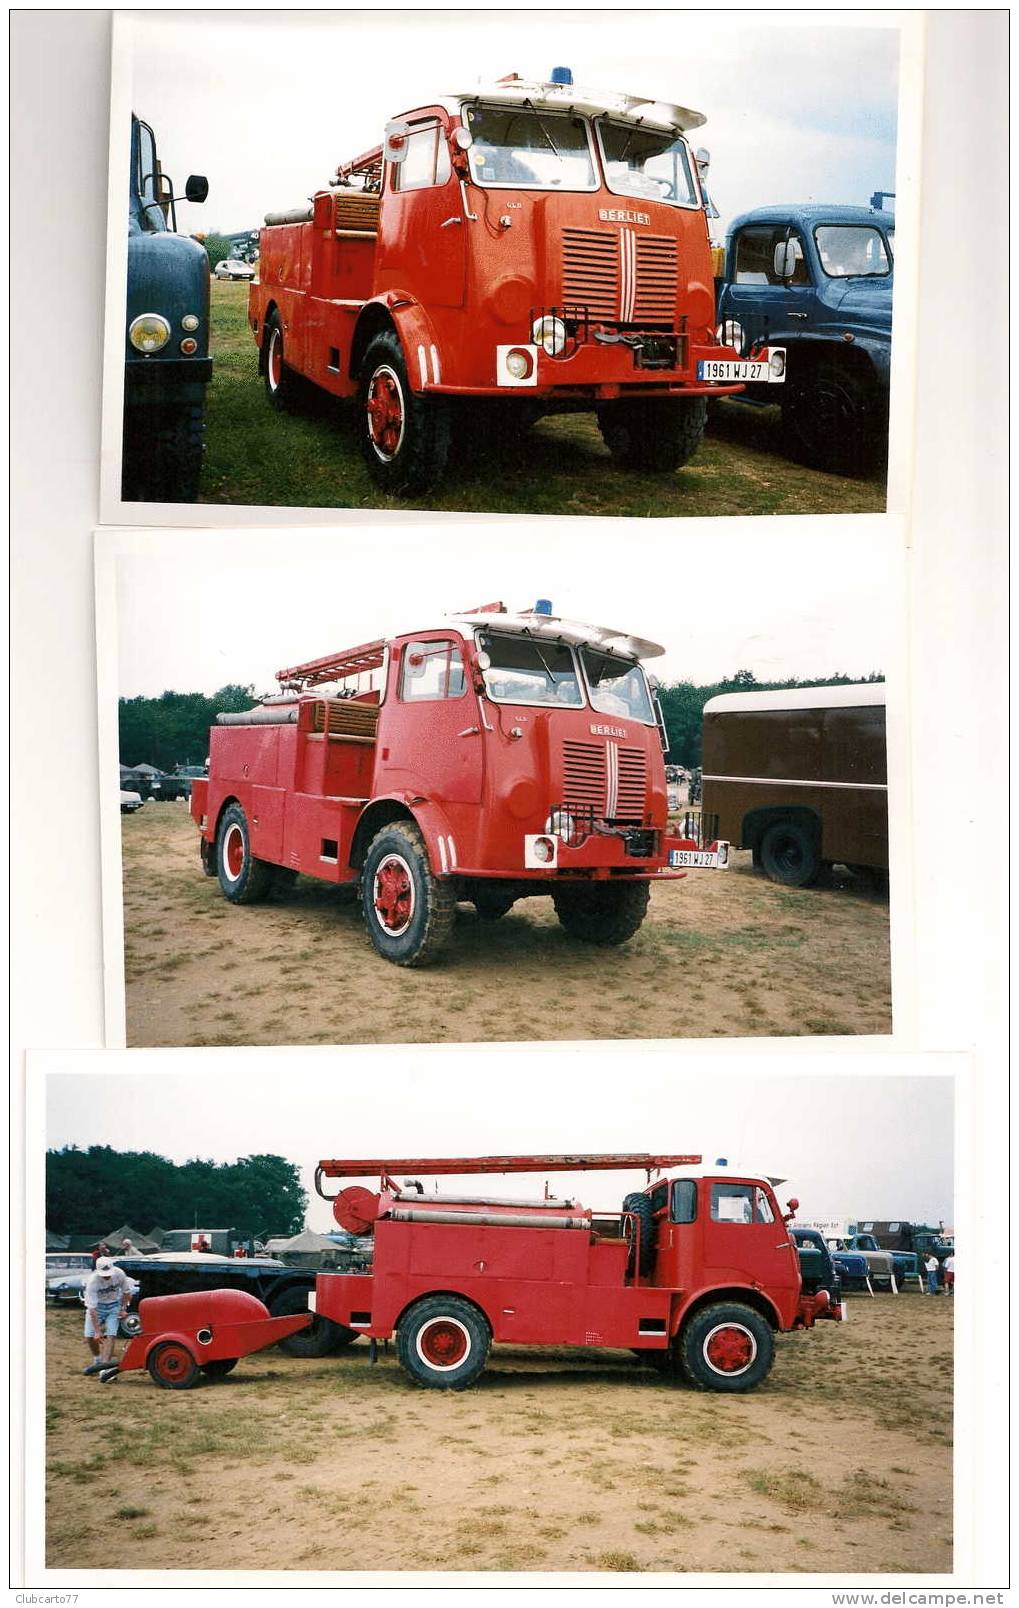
[(550, 334), (562, 825), (519, 364), (149, 332), (730, 333), (776, 362), (190, 321)]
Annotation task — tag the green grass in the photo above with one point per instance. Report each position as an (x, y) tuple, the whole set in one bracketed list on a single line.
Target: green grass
[(311, 459)]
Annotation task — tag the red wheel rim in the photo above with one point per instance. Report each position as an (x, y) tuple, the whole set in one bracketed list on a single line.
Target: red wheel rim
[(443, 1343), (393, 894), (173, 1362), (385, 412), (275, 359), (233, 852), (730, 1348)]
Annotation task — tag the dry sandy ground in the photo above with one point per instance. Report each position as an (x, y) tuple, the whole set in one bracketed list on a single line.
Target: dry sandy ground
[(840, 1463), (721, 954)]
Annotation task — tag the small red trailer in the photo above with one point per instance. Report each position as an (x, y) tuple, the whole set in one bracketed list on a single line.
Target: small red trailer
[(203, 1333), (696, 1274), (492, 758), (537, 243)]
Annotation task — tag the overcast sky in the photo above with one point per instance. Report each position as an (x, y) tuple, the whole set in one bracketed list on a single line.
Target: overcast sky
[(851, 1145), (799, 107), (199, 610)]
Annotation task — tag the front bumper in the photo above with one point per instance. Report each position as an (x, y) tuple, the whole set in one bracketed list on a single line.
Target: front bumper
[(605, 854)]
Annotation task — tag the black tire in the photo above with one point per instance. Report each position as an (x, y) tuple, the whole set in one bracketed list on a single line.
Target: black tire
[(243, 879), (405, 436), (603, 912), (834, 419), (281, 383), (663, 1362), (322, 1336), (163, 446), (726, 1347), (791, 854), (492, 904), (642, 1209), (443, 1342), (657, 435), (172, 1367), (219, 1367), (408, 911)]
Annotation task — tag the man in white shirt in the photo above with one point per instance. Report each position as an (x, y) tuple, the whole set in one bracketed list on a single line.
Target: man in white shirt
[(933, 1268), (107, 1298), (948, 1268)]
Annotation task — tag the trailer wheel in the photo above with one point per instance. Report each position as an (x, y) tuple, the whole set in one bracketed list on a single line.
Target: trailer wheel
[(242, 878), (655, 434), (219, 1367), (408, 911), (727, 1347), (443, 1342), (280, 380), (491, 904), (320, 1338), (833, 419), (163, 447), (405, 436), (172, 1367), (643, 1210), (602, 913), (790, 854)]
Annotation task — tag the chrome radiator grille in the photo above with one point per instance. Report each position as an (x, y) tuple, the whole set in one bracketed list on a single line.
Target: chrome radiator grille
[(608, 782), (584, 778)]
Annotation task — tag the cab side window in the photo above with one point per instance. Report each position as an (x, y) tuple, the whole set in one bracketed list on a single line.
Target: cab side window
[(732, 1203), (427, 160), (431, 671), (684, 1200), (755, 257)]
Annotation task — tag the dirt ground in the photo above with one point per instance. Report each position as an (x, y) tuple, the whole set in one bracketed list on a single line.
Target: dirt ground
[(556, 1460), (721, 954)]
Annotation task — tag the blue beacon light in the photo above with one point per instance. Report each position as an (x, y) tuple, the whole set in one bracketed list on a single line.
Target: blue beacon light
[(543, 606), (561, 75)]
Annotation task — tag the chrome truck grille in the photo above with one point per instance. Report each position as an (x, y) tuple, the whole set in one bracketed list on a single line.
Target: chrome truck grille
[(622, 277), (605, 782)]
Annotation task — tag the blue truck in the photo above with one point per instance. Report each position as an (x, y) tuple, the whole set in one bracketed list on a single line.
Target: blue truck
[(167, 366), (817, 280)]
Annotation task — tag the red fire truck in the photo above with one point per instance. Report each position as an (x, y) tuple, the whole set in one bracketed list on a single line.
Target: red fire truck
[(491, 758), (696, 1274), (529, 241)]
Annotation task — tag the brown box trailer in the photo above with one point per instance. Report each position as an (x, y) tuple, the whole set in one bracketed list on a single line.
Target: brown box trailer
[(800, 777)]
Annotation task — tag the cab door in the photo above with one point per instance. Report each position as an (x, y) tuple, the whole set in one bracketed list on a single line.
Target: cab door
[(430, 730), (744, 1240), (422, 247), (770, 309)]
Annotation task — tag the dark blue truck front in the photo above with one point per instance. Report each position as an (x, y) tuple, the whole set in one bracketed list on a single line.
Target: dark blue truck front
[(166, 340), (817, 280)]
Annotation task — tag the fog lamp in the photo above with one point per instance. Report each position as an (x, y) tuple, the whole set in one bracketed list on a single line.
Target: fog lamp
[(776, 363), (149, 332), (550, 334), (730, 333), (543, 849), (519, 364)]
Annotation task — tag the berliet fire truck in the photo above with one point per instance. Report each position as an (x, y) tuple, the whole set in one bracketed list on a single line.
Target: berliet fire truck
[(491, 758), (696, 1274), (531, 241)]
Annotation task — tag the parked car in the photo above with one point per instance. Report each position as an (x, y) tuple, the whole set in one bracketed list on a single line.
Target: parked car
[(234, 268), (284, 1290), (129, 802), (66, 1272)]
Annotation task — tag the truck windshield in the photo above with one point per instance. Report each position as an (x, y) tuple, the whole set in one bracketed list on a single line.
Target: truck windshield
[(529, 672), (650, 164), (617, 686), (519, 149), (851, 252)]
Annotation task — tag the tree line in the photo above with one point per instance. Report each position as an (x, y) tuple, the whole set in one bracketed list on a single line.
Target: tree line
[(173, 729), (93, 1191)]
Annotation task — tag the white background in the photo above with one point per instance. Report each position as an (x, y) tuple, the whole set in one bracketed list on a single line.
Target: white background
[(954, 635)]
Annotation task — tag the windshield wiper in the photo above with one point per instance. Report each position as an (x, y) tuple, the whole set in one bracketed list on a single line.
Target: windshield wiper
[(551, 142)]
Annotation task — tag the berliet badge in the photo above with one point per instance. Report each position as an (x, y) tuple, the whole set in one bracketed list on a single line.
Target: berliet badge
[(621, 215)]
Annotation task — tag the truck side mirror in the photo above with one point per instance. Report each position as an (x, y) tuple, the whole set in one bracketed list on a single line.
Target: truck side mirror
[(397, 142), (197, 187), (787, 255)]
